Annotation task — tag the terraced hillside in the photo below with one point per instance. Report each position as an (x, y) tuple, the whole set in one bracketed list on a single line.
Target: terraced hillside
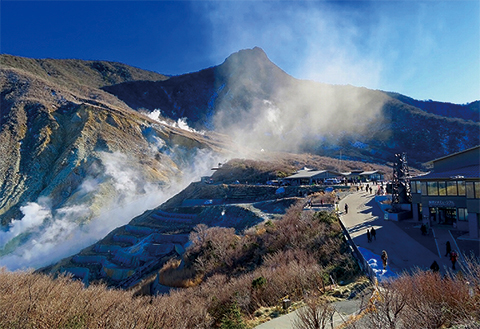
[(136, 251)]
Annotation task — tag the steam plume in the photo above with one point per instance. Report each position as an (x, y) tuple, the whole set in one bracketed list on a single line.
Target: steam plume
[(52, 234)]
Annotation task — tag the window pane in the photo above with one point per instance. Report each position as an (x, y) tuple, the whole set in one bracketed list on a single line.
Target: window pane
[(462, 214), (413, 187), (432, 188), (469, 190), (461, 187), (452, 188), (424, 188), (477, 190), (419, 187), (442, 188)]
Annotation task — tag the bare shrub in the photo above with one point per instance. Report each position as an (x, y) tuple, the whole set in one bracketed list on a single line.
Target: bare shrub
[(290, 256), (322, 197), (39, 301), (428, 300), (215, 247), (198, 238), (316, 314), (174, 275), (436, 301), (295, 273), (387, 306)]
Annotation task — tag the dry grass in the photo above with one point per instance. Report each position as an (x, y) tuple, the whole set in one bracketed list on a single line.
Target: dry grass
[(280, 165), (239, 274), (293, 257), (427, 300), (174, 275), (30, 300)]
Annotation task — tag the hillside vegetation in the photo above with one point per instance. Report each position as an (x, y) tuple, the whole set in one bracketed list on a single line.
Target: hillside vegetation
[(226, 272), (73, 73), (268, 166), (230, 277)]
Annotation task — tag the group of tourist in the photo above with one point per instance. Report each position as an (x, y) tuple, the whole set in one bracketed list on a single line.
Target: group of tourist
[(452, 254)]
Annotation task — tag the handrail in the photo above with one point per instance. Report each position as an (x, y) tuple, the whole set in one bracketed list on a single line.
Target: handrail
[(366, 268)]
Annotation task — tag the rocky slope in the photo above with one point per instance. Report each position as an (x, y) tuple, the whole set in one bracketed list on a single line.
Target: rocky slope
[(248, 93), (72, 153)]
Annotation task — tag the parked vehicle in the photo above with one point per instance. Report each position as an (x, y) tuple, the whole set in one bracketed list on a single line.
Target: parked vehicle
[(332, 181)]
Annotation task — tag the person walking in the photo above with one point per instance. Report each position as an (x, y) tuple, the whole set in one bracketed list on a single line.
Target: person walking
[(384, 259), (346, 208), (369, 238), (449, 248), (434, 267), (373, 233), (453, 258), (423, 229)]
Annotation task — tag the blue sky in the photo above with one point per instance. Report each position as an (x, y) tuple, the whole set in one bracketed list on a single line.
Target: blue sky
[(422, 49)]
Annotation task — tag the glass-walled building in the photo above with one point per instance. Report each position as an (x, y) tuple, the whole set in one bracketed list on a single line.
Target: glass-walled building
[(450, 193)]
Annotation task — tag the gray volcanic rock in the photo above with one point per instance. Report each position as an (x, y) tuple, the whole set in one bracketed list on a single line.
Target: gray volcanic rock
[(259, 105), (71, 152)]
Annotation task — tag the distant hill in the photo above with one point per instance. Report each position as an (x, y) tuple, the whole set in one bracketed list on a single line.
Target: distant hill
[(259, 105), (241, 80), (470, 111), (74, 72)]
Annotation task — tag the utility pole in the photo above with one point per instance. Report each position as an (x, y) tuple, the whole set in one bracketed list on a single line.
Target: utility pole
[(340, 162)]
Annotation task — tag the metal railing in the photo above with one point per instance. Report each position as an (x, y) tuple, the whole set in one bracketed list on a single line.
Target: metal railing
[(362, 262)]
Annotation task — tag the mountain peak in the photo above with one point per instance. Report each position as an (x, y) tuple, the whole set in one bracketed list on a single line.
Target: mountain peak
[(255, 53), (253, 65)]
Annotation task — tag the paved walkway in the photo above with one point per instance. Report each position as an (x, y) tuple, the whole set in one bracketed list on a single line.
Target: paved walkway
[(407, 248), (343, 310)]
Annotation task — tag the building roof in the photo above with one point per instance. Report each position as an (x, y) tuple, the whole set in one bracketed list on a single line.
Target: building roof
[(373, 172), (469, 172), (307, 174), (363, 173), (453, 154)]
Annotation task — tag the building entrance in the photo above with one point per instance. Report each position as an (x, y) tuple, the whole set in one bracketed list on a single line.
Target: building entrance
[(444, 216)]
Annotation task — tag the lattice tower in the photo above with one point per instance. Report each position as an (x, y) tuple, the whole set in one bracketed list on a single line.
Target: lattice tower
[(401, 192)]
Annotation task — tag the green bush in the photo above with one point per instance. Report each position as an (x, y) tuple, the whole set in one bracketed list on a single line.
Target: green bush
[(233, 319), (259, 282)]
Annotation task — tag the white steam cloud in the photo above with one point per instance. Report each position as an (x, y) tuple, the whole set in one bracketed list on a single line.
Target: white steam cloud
[(45, 235), (34, 216), (302, 116), (312, 40), (181, 123)]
